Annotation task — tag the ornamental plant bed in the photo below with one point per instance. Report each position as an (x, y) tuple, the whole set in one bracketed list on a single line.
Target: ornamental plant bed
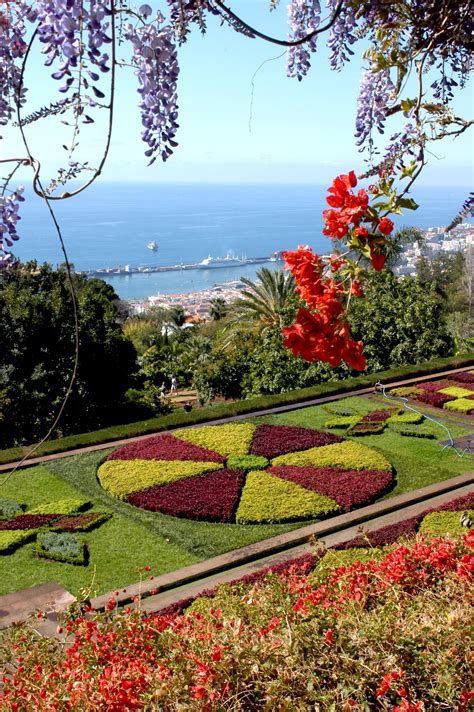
[(61, 547), (367, 429), (460, 405), (80, 522), (10, 540), (28, 521), (10, 508), (246, 487)]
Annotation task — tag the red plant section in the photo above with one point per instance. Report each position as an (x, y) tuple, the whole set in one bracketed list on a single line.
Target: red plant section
[(28, 521), (212, 497), (407, 527), (368, 427), (349, 488), (274, 440), (435, 399), (165, 447), (377, 416), (435, 385), (71, 523)]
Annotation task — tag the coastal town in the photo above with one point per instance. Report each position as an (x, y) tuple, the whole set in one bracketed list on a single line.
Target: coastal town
[(434, 240)]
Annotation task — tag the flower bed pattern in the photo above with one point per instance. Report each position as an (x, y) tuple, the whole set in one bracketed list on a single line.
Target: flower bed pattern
[(259, 474), (375, 422), (456, 394)]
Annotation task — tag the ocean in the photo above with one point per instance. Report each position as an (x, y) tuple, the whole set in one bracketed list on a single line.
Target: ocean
[(110, 224)]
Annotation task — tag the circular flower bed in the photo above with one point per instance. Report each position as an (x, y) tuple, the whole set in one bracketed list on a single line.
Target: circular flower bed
[(246, 473)]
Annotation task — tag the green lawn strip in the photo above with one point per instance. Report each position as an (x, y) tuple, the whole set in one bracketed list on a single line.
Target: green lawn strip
[(201, 540), (118, 548)]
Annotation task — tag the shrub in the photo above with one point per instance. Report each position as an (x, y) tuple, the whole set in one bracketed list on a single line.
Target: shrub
[(211, 497), (457, 391), (11, 540), (247, 462), (350, 488), (80, 522), (165, 447), (460, 405), (345, 455), (273, 440), (234, 438), (61, 506), (435, 399), (10, 507), (442, 523), (124, 477), (367, 429), (342, 421), (334, 559), (61, 547), (408, 418), (415, 433), (270, 499)]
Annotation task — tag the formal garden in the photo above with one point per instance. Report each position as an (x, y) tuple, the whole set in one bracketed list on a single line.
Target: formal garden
[(95, 520)]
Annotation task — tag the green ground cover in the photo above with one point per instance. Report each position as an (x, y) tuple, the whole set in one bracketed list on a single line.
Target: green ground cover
[(134, 538)]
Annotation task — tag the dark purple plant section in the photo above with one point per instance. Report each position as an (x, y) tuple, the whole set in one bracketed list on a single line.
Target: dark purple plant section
[(273, 440), (435, 399), (435, 385), (464, 377), (165, 447), (28, 521), (377, 416), (349, 488), (211, 497), (407, 527)]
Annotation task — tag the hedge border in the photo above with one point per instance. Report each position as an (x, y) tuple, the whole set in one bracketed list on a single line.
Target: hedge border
[(181, 418)]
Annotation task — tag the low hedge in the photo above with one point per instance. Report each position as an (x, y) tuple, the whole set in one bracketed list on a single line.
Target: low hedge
[(415, 433), (10, 508), (80, 522), (11, 540), (407, 418), (247, 462), (227, 410), (366, 429), (346, 421)]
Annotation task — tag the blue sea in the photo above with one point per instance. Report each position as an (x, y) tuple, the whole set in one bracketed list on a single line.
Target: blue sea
[(110, 224)]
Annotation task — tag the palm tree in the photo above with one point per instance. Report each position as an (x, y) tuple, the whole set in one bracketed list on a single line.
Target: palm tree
[(217, 308), (263, 301)]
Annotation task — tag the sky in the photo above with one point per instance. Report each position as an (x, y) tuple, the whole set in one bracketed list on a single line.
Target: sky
[(241, 118)]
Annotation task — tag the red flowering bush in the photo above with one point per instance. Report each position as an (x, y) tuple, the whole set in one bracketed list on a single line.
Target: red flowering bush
[(395, 630), (321, 331)]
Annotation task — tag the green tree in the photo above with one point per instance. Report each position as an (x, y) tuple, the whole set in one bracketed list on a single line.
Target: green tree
[(37, 346), (264, 301), (217, 309), (400, 321)]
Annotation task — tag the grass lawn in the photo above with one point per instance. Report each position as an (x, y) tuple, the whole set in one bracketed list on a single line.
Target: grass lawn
[(134, 538)]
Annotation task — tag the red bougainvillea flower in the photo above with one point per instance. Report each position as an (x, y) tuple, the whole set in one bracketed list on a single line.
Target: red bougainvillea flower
[(377, 259), (385, 226)]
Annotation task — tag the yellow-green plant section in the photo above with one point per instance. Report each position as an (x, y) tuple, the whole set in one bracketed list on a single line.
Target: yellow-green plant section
[(406, 391), (10, 540), (124, 477), (232, 439), (349, 455), (460, 405), (60, 506), (334, 559), (266, 498), (457, 391), (411, 418), (442, 523), (343, 421)]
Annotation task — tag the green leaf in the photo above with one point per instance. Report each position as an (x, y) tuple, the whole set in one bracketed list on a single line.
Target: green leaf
[(407, 203)]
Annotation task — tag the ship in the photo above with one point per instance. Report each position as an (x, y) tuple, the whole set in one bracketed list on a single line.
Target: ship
[(227, 261), (152, 245)]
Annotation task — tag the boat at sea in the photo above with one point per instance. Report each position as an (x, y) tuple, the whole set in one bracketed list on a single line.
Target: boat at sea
[(207, 263), (152, 245)]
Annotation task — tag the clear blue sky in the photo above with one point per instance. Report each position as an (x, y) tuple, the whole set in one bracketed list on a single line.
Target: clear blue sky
[(300, 131)]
